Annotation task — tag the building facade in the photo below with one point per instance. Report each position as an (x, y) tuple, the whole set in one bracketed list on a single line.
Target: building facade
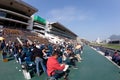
[(16, 14), (59, 30), (39, 25)]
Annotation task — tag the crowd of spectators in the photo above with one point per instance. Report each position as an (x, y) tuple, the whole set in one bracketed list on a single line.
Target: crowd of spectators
[(36, 56)]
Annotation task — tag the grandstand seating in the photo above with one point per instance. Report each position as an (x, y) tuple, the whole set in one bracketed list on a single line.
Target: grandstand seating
[(12, 34)]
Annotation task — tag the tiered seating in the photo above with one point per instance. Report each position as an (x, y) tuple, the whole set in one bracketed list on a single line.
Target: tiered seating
[(38, 39), (12, 34), (7, 31)]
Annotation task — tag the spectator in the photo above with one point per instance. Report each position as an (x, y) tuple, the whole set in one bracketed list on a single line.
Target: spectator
[(115, 55), (38, 56), (106, 53), (118, 59), (69, 58), (50, 48), (54, 69), (3, 45), (77, 52)]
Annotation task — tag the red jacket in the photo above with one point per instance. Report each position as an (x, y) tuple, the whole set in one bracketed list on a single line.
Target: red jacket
[(52, 65)]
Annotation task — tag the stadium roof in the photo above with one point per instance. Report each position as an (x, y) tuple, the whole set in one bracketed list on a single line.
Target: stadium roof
[(19, 6), (57, 24)]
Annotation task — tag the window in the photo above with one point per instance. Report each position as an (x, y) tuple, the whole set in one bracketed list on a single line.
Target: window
[(2, 14)]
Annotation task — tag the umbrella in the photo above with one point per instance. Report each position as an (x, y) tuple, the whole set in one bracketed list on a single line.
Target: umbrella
[(1, 38)]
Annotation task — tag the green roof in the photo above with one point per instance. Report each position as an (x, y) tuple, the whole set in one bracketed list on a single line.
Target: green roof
[(39, 19)]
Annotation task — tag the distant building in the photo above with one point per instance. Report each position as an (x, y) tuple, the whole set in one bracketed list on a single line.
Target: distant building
[(98, 40), (114, 42), (108, 40)]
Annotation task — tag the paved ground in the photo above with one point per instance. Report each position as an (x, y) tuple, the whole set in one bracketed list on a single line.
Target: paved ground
[(93, 67)]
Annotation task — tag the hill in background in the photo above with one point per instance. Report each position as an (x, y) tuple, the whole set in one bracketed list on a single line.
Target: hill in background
[(114, 37)]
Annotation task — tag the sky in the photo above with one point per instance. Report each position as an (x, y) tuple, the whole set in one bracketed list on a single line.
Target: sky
[(89, 19)]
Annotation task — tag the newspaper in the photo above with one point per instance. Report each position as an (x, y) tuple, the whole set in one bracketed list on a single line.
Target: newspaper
[(66, 67)]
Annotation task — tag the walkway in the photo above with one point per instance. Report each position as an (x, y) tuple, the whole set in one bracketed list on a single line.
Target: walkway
[(93, 67)]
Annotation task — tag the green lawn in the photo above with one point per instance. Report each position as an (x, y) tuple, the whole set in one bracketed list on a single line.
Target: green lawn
[(113, 46)]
